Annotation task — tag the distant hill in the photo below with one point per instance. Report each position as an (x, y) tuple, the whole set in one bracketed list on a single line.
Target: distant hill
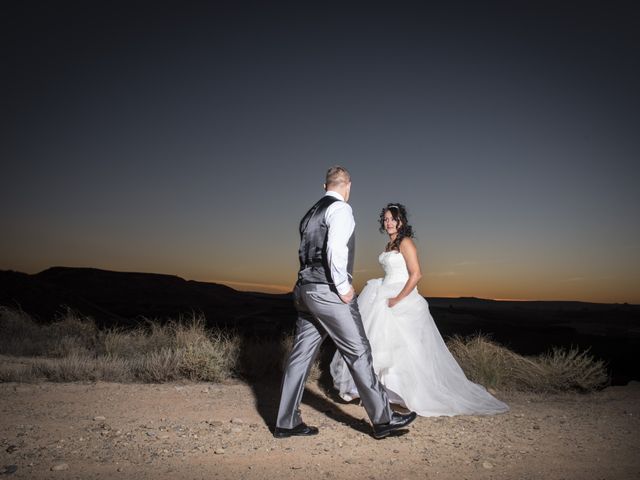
[(610, 331), (126, 298)]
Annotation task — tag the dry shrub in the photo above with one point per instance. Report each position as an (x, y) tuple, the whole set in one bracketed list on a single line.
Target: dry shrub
[(486, 362), (71, 368), (76, 367), (120, 343), (18, 373), (73, 349), (158, 367), (110, 369), (573, 369), (14, 369), (66, 369), (489, 364), (189, 332), (20, 335), (207, 355), (70, 334), (182, 349), (69, 346), (160, 336), (138, 342), (212, 358)]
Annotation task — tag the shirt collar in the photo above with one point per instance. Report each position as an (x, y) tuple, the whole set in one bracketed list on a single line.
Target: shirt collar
[(335, 194)]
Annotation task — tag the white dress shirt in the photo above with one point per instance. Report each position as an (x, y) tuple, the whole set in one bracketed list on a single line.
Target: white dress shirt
[(339, 218)]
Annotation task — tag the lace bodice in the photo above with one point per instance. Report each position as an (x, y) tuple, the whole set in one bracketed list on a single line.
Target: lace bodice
[(395, 268)]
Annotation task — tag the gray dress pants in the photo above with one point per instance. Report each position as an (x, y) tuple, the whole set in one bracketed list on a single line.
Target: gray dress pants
[(322, 313)]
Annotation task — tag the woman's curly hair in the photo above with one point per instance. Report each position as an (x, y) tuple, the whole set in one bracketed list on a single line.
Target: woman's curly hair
[(399, 214)]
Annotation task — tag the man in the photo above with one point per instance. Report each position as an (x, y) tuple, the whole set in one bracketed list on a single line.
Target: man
[(326, 305)]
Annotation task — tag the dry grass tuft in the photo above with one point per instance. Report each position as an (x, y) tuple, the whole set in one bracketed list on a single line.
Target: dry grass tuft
[(73, 349), (158, 366), (493, 366), (573, 369), (212, 358)]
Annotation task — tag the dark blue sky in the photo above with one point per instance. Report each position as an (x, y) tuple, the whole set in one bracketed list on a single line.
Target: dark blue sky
[(189, 138)]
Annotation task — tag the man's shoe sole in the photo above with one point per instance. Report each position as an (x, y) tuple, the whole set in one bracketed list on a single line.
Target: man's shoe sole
[(312, 431), (381, 435), (287, 435)]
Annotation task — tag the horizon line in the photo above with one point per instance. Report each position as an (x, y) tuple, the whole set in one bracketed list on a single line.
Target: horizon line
[(276, 288)]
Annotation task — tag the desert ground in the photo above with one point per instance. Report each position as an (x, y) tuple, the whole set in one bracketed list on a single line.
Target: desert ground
[(219, 431)]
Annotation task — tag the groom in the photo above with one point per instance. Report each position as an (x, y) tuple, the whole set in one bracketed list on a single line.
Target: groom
[(326, 305)]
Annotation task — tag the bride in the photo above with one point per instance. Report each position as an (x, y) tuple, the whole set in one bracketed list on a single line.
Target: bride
[(409, 354)]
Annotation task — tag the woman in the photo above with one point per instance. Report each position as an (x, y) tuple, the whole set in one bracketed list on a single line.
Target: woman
[(409, 354)]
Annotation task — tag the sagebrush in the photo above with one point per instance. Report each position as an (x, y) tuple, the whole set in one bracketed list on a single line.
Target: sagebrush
[(73, 348)]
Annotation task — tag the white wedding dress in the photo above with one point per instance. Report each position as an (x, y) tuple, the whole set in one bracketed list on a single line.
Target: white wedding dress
[(409, 354)]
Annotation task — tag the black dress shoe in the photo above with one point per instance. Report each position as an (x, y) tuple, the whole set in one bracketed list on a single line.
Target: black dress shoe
[(398, 421), (301, 430)]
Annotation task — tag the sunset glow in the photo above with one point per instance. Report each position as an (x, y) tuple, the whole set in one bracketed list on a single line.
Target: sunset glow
[(191, 143)]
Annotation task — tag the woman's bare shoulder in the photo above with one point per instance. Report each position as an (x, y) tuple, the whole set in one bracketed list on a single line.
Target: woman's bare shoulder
[(407, 243)]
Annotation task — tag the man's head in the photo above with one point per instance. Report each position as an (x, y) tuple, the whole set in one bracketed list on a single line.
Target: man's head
[(339, 180)]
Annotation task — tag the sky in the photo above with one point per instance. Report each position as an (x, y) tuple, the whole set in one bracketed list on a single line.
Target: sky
[(189, 138)]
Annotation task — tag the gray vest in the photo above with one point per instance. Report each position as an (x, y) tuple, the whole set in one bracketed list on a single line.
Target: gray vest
[(314, 266)]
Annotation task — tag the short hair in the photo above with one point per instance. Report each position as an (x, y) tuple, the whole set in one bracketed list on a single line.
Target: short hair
[(337, 175)]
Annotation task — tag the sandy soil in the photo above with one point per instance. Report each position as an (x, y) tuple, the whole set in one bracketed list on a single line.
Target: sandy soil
[(105, 430)]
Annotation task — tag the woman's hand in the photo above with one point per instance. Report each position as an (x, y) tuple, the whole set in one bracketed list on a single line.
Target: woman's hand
[(393, 301)]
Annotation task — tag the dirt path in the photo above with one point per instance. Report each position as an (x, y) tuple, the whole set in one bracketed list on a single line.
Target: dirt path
[(104, 430)]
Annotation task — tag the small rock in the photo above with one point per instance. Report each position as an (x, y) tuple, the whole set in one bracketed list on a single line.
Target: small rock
[(163, 436), (237, 420), (295, 467), (536, 427), (11, 448), (99, 418), (236, 430), (487, 465), (8, 469), (205, 390), (58, 467), (219, 451)]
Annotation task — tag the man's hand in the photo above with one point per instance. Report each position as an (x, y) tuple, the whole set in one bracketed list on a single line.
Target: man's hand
[(347, 297)]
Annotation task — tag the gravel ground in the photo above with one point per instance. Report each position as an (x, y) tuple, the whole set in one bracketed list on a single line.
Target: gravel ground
[(109, 430)]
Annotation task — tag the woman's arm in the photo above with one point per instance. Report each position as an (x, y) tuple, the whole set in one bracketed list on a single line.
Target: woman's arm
[(410, 253)]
